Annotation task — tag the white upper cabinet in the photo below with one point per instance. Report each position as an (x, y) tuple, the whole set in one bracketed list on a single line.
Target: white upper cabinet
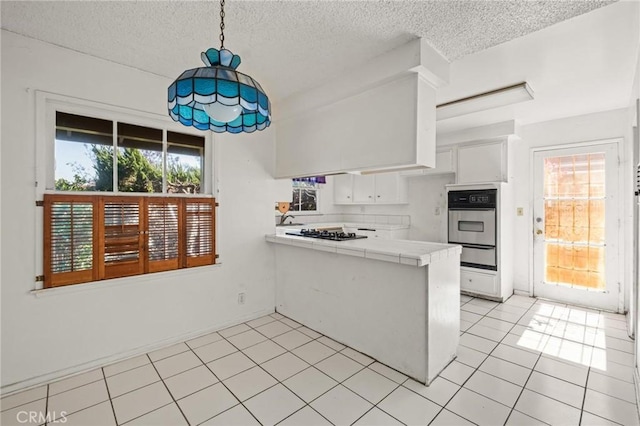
[(482, 162), (382, 188), (390, 188), (342, 189), (364, 188), (389, 126)]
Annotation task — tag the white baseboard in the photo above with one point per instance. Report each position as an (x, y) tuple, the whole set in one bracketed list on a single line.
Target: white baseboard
[(121, 356), (524, 293)]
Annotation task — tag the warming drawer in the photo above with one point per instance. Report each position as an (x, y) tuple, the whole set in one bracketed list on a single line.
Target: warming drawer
[(477, 256)]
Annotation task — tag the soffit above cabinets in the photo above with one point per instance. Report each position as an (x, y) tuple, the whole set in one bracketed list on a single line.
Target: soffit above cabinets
[(377, 117)]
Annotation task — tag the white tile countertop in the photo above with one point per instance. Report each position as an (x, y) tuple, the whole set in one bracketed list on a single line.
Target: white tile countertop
[(407, 252)]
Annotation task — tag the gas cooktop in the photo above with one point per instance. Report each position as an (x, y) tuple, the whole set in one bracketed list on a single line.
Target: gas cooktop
[(326, 235)]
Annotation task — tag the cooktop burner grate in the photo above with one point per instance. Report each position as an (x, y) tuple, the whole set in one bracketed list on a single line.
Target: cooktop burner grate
[(326, 235)]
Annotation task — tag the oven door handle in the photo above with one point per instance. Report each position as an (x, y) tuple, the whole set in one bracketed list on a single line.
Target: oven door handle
[(479, 247)]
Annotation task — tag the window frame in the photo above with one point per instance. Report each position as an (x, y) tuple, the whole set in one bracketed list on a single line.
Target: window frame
[(43, 109)]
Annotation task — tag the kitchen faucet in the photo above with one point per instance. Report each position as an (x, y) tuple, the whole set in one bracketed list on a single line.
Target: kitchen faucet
[(284, 217)]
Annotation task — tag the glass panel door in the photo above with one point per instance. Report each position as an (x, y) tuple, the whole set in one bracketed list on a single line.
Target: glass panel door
[(575, 225)]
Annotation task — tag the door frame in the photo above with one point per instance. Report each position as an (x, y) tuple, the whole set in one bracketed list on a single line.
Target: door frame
[(619, 181)]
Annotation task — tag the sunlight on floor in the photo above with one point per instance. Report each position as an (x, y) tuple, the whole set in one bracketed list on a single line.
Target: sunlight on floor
[(568, 333)]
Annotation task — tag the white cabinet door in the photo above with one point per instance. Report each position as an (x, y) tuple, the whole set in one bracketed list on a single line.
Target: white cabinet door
[(482, 163), (363, 189), (343, 189), (386, 188)]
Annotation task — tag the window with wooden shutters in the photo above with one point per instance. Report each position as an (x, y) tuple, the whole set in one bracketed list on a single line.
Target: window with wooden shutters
[(122, 239), (96, 237), (164, 234), (199, 230), (70, 239)]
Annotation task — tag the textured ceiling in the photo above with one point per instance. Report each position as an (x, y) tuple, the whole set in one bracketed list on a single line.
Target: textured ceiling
[(289, 46)]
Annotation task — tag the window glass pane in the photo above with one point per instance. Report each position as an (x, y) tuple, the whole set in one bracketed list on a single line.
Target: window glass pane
[(295, 204), (185, 159), (308, 199), (580, 175), (574, 204), (596, 175), (139, 158), (305, 196), (83, 153), (551, 169)]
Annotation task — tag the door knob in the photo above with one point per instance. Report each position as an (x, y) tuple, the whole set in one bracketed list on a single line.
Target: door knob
[(539, 232)]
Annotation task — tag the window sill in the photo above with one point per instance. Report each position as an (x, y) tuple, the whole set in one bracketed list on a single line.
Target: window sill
[(118, 282), (128, 194)]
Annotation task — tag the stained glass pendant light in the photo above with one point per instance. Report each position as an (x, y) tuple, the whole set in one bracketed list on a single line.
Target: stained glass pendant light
[(217, 97)]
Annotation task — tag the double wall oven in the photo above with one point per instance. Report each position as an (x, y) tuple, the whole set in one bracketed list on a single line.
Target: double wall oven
[(472, 224)]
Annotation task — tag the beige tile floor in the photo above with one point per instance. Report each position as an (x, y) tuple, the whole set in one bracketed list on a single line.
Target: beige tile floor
[(522, 362)]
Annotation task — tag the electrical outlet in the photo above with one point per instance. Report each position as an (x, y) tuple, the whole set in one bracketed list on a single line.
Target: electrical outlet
[(241, 298), (520, 211)]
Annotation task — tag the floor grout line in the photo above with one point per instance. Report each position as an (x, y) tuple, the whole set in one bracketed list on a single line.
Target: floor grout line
[(46, 405), (106, 384)]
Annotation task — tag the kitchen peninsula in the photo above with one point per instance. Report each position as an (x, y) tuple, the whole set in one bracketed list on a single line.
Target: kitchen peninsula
[(397, 301)]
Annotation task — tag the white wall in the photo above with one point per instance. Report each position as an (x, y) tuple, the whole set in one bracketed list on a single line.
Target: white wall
[(590, 127), (44, 337)]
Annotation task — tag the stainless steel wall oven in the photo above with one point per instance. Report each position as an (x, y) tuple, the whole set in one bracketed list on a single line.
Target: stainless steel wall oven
[(472, 224)]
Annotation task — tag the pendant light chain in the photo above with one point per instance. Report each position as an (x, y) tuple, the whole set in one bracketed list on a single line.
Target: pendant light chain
[(221, 24)]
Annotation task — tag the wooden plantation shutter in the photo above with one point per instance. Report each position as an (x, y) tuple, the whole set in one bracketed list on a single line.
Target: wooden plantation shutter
[(95, 237), (200, 231), (70, 239), (122, 236), (163, 248)]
